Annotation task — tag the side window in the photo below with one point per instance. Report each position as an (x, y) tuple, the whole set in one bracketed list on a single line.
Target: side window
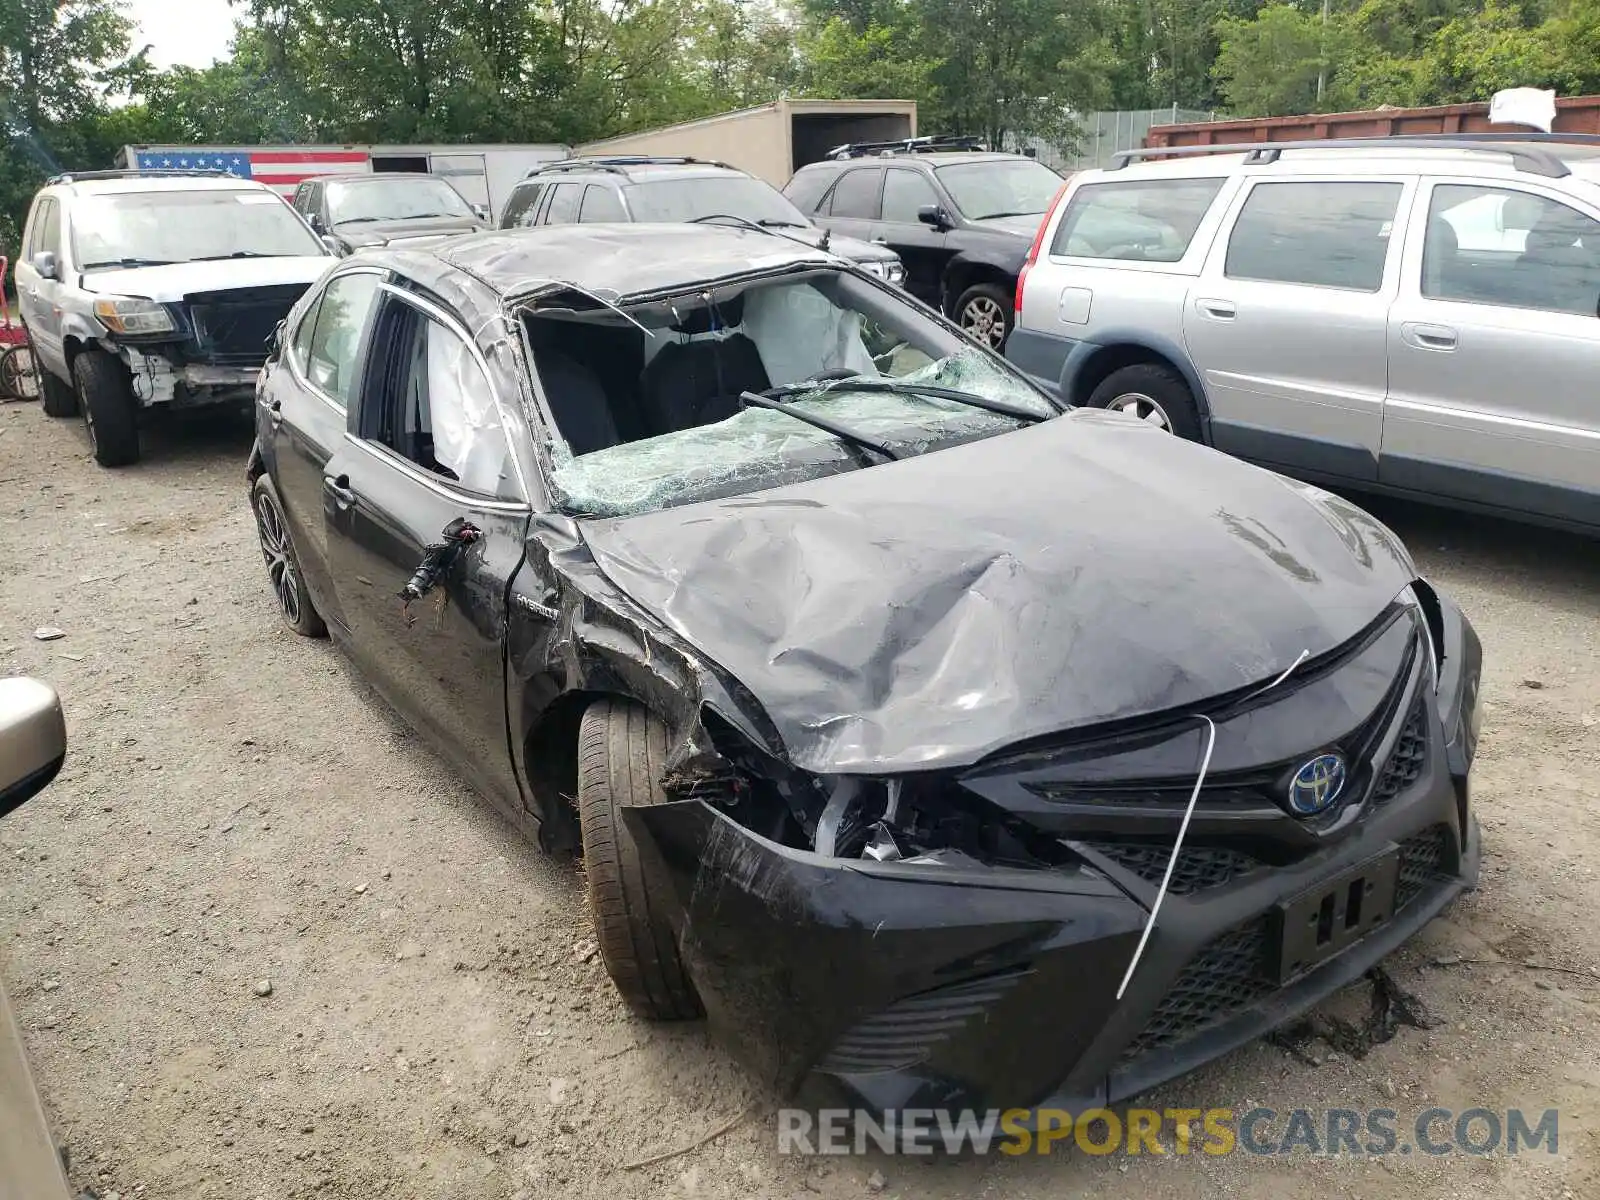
[(601, 204), (436, 407), (50, 229), (563, 208), (1319, 234), (31, 236), (856, 194), (903, 193), (341, 317), (1487, 245), (302, 199), (523, 207), (300, 344), (1146, 221)]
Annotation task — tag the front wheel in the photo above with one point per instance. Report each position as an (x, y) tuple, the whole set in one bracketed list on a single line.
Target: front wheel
[(283, 567), (1152, 393), (622, 750), (984, 312), (110, 412)]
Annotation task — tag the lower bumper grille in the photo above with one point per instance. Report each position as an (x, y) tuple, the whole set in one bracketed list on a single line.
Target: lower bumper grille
[(1219, 981), (1199, 867), (1227, 976)]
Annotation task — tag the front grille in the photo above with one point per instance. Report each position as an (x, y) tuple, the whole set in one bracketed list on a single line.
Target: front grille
[(1422, 861), (1409, 757), (233, 328), (1224, 978), (1199, 867), (905, 1033)]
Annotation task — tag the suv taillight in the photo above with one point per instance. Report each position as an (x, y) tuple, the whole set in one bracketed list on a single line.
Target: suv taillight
[(1033, 250)]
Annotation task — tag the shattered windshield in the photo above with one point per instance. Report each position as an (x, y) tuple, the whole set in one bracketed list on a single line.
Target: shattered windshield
[(653, 402)]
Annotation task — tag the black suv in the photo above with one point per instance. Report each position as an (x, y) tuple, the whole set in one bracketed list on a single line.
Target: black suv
[(960, 217), (655, 189)]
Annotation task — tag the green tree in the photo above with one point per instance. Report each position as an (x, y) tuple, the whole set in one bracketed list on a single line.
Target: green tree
[(1279, 62)]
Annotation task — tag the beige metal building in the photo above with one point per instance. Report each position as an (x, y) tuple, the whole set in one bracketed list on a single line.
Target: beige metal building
[(773, 140)]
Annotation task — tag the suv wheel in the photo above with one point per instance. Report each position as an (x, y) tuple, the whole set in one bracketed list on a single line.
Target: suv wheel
[(984, 311), (57, 398), (1154, 394), (109, 410), (622, 749)]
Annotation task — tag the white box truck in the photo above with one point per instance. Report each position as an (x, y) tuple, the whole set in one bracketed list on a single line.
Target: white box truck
[(482, 174), (772, 141)]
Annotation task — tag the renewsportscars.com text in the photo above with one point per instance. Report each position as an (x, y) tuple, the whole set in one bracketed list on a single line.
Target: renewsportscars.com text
[(1374, 1132)]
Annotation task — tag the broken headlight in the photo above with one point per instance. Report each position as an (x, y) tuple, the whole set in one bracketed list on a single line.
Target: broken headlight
[(133, 317)]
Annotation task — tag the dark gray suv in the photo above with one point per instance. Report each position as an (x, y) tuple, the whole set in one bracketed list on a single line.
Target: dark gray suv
[(641, 188)]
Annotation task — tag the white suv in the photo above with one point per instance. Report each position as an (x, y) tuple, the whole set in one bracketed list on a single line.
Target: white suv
[(156, 288), (1414, 314)]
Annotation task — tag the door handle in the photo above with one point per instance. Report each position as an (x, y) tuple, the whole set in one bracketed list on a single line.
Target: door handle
[(275, 413), (1218, 310), (339, 489), (1428, 337)]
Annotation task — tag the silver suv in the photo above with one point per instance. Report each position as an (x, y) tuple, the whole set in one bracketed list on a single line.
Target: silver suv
[(145, 289), (1414, 314)]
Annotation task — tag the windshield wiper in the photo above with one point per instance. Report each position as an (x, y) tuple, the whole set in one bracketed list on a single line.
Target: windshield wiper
[(236, 254), (360, 220), (768, 223), (860, 383), (129, 262), (998, 215), (843, 432)]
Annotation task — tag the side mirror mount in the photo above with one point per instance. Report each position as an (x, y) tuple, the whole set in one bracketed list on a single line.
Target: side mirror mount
[(334, 245), (33, 739), (481, 211), (932, 214), (45, 263)]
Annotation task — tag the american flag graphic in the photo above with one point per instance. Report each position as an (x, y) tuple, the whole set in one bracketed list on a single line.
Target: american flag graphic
[(281, 170)]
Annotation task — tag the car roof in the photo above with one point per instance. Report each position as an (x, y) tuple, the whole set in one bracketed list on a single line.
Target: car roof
[(158, 183), (364, 176), (934, 158), (632, 172), (631, 259), (1490, 160)]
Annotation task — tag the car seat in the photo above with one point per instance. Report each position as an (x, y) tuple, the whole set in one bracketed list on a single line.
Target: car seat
[(578, 402), (696, 380)]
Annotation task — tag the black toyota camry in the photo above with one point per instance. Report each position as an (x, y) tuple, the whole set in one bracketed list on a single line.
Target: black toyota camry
[(885, 700)]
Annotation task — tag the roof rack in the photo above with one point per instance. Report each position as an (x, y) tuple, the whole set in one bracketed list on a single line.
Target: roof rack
[(916, 145), (135, 173), (617, 164), (1527, 150)]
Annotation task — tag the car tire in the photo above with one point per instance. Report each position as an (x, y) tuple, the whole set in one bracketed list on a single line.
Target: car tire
[(58, 399), (622, 749), (984, 312), (1152, 393), (283, 565), (109, 411)]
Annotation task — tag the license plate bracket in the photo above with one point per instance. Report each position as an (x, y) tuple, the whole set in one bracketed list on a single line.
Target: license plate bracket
[(1321, 921)]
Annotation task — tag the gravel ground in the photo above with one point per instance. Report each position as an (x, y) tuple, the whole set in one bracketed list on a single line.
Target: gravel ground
[(238, 816)]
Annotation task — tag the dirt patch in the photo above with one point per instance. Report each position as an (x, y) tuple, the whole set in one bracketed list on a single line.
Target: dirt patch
[(237, 809)]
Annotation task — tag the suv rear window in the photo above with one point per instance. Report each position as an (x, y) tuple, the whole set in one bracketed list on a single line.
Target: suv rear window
[(1321, 234), (1151, 220)]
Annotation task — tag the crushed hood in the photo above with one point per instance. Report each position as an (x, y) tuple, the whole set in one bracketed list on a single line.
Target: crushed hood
[(171, 284), (926, 613)]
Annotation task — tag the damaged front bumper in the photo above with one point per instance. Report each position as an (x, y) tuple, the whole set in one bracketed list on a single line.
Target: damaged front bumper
[(158, 380), (901, 984)]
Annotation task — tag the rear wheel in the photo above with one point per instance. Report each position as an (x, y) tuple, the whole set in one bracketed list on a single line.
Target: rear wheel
[(283, 567), (1152, 393), (109, 411), (984, 311), (622, 750)]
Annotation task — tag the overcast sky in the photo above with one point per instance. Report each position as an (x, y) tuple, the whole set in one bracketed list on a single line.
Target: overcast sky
[(192, 32)]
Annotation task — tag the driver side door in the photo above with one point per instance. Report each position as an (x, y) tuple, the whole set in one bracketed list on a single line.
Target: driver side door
[(428, 448)]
